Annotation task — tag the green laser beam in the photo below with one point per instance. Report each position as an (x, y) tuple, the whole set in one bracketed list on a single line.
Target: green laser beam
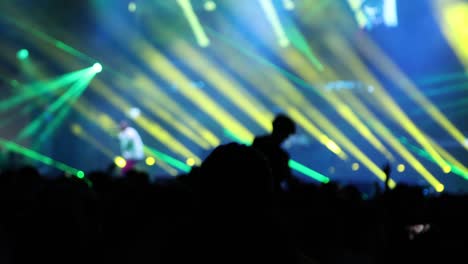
[(11, 146), (33, 90), (34, 126), (422, 153), (41, 35), (307, 171), (64, 111), (299, 41)]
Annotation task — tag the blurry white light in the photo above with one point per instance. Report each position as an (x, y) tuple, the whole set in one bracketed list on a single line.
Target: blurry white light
[(210, 5), (288, 4), (134, 112), (132, 7)]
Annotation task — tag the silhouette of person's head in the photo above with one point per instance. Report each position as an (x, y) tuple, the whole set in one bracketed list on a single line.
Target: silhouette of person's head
[(123, 125), (283, 127)]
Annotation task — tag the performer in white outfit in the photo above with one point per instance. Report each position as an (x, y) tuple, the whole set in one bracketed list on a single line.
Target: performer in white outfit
[(131, 146)]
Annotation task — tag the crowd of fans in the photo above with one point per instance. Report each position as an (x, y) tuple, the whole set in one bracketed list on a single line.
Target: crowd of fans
[(225, 211), (242, 205)]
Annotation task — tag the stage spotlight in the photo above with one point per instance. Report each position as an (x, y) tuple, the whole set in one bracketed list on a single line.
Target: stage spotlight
[(194, 22), (120, 162), (80, 174), (97, 67), (210, 5), (132, 7), (401, 168), (76, 129), (150, 161), (289, 4), (134, 112), (22, 54), (273, 18), (355, 166), (447, 169), (190, 162)]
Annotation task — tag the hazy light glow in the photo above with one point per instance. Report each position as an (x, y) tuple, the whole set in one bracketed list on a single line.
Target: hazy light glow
[(190, 162), (22, 54), (401, 168), (273, 18), (150, 161), (194, 22), (289, 4), (209, 5), (355, 166), (11, 146), (97, 67), (120, 161), (390, 13), (132, 7)]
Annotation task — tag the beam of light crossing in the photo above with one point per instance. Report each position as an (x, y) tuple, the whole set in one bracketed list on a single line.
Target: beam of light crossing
[(388, 137), (11, 146), (197, 28), (77, 88), (386, 66), (382, 99), (221, 81), (273, 18), (34, 90), (154, 129), (344, 140)]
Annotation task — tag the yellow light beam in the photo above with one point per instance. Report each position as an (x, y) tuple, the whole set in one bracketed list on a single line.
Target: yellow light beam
[(147, 86), (385, 64), (163, 136), (221, 81), (387, 136), (161, 98), (197, 28), (154, 98), (269, 87), (162, 105), (272, 16), (313, 130), (170, 119), (446, 155), (386, 103), (181, 120), (304, 69), (109, 126), (453, 18), (171, 73), (279, 81), (78, 131), (154, 129)]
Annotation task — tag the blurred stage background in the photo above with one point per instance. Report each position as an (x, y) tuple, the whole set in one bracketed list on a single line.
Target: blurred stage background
[(367, 81)]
